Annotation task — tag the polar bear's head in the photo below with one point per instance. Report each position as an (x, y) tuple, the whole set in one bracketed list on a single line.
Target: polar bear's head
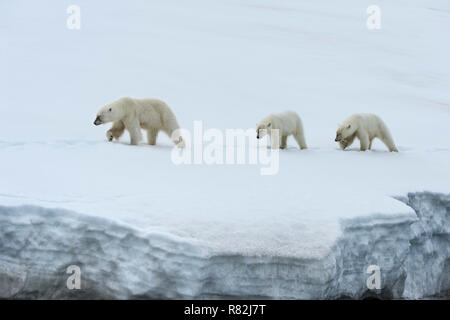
[(345, 131), (108, 113), (262, 128)]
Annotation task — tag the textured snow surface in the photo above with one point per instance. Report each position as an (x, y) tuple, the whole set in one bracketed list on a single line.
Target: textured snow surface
[(229, 209), (140, 226)]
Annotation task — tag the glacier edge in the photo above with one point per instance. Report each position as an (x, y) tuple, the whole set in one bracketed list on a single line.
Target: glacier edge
[(38, 244)]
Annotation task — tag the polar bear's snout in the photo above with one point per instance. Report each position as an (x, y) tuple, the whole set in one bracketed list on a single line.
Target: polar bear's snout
[(260, 133), (98, 121), (338, 137)]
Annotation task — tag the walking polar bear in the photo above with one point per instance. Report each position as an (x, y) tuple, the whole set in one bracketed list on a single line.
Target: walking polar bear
[(288, 123), (365, 127), (131, 114)]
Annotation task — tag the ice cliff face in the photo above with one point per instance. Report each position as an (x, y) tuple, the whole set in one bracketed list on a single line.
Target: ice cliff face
[(428, 263), (37, 245), (413, 257)]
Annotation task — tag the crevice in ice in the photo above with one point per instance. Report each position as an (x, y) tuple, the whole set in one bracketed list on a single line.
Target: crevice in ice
[(427, 264)]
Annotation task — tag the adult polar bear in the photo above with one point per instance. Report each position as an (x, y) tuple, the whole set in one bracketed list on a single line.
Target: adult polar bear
[(365, 127), (152, 115), (287, 123)]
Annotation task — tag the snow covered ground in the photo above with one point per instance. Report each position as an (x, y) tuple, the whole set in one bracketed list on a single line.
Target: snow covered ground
[(141, 226)]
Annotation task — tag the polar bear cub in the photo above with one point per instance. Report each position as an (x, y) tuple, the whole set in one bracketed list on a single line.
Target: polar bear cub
[(287, 123), (131, 114), (365, 127)]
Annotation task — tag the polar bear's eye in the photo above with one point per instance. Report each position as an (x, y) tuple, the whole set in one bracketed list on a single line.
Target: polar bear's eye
[(110, 109)]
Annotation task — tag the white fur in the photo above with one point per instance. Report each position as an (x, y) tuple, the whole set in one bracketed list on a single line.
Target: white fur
[(288, 123), (365, 127), (131, 114)]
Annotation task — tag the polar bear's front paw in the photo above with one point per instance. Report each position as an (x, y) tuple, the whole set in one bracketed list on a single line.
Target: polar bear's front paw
[(109, 136)]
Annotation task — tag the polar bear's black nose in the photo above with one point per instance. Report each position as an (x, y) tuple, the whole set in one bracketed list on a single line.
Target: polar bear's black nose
[(97, 121)]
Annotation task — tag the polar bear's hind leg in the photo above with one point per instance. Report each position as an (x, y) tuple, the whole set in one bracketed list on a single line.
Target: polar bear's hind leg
[(300, 138), (172, 129), (283, 144), (387, 140)]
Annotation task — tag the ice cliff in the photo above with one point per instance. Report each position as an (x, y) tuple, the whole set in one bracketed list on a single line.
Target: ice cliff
[(37, 245)]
